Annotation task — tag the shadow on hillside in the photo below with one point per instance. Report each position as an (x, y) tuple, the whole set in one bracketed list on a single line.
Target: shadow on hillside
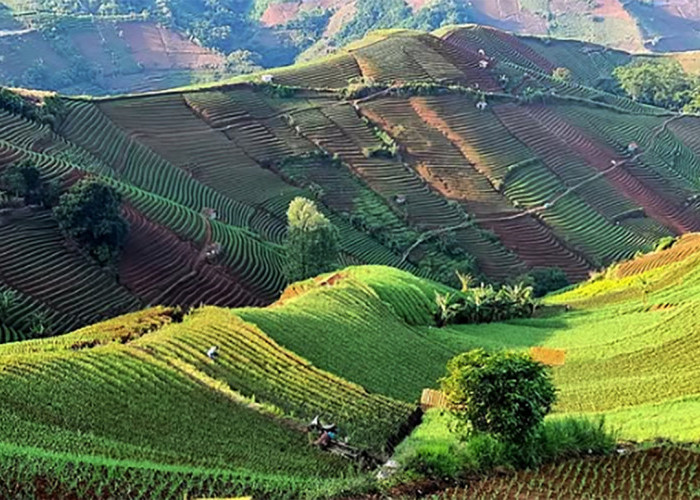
[(513, 334)]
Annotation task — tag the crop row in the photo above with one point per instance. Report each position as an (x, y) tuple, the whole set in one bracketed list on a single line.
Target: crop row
[(133, 406), (256, 366), (405, 58), (332, 72), (534, 185), (33, 247), (688, 245), (650, 474), (664, 154), (445, 166), (161, 268)]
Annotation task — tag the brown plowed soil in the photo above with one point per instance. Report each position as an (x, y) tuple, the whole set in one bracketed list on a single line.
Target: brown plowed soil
[(159, 48), (163, 269)]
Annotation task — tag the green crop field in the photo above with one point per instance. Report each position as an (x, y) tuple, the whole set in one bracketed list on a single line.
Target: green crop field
[(118, 407), (430, 153), (415, 176)]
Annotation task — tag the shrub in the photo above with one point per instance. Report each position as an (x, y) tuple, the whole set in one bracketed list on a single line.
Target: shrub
[(311, 247), (90, 214), (505, 393), (484, 304)]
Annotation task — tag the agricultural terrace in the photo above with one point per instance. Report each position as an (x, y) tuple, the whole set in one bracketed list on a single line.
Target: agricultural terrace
[(423, 159), (619, 331), (116, 407), (648, 474)]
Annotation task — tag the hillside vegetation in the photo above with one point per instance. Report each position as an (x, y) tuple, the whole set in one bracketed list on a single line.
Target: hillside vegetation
[(423, 159), (103, 47), (115, 409)]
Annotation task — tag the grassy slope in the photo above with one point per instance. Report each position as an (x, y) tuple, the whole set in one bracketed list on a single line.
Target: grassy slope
[(627, 356), (130, 393)]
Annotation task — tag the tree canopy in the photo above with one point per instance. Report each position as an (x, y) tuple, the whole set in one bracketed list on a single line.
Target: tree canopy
[(658, 82), (90, 214), (312, 241), (505, 393)]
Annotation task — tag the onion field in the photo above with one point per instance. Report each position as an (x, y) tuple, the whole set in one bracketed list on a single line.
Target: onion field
[(420, 178)]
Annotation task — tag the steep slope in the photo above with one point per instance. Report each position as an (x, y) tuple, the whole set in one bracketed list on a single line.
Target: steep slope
[(429, 160)]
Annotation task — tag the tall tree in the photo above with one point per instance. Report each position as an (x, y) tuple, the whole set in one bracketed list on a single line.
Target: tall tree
[(312, 241)]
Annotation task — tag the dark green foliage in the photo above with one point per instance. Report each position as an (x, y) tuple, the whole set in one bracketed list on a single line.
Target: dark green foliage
[(309, 26), (241, 62), (377, 14), (544, 280), (90, 214), (312, 241), (24, 180), (440, 13), (484, 304), (505, 393), (49, 112), (8, 301)]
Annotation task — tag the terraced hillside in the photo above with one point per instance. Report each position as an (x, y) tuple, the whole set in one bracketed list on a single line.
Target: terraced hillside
[(106, 55), (115, 409), (455, 150)]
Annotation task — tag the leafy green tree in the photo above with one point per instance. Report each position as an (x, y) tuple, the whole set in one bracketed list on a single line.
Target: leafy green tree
[(24, 180), (658, 82), (312, 241), (90, 214), (505, 393)]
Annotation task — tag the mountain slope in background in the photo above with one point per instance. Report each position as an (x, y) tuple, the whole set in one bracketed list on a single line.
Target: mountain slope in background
[(464, 154), (105, 47)]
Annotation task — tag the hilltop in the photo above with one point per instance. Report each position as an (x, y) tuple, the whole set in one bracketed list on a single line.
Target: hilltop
[(104, 47), (424, 160), (115, 409)]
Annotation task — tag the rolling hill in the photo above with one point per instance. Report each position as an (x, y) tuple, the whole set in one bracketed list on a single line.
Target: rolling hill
[(105, 47), (115, 409), (425, 161)]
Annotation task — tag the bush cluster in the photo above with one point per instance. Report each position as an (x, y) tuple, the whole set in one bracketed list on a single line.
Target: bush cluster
[(484, 304)]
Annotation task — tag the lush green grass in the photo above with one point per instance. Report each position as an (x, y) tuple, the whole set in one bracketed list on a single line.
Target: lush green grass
[(632, 357), (439, 446)]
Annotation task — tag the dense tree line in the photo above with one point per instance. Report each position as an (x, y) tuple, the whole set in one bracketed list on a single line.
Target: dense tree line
[(660, 82)]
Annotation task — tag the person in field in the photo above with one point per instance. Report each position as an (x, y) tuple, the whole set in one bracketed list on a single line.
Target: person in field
[(213, 352), (328, 433)]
